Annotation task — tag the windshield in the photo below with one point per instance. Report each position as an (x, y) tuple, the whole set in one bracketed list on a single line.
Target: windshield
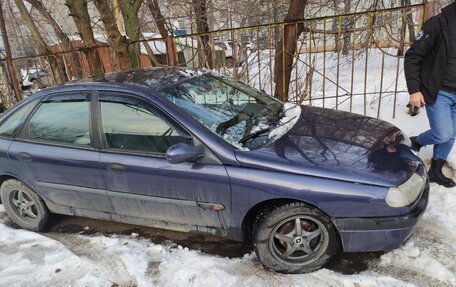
[(241, 115)]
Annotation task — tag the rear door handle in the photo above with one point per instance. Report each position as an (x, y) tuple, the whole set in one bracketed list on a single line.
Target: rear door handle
[(23, 156), (115, 167)]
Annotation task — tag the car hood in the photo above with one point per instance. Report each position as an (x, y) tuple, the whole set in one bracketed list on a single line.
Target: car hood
[(339, 145)]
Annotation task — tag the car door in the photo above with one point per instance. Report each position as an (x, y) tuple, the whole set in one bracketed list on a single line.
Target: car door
[(54, 152), (142, 183)]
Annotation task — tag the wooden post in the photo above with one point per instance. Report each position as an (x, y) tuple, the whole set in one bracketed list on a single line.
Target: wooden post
[(9, 57)]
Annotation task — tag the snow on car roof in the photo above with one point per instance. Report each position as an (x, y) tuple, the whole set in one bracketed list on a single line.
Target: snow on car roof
[(155, 78)]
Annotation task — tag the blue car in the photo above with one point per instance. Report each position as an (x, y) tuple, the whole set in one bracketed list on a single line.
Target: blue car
[(194, 151)]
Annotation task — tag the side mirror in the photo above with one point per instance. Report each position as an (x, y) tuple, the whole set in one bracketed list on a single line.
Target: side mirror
[(182, 152)]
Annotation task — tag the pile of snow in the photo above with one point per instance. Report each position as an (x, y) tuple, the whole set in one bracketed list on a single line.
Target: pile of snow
[(291, 116), (31, 259)]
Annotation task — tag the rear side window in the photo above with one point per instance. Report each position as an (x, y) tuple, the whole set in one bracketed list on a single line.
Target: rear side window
[(62, 119), (15, 121)]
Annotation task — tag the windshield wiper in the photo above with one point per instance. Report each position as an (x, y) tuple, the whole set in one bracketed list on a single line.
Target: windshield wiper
[(262, 131), (254, 135)]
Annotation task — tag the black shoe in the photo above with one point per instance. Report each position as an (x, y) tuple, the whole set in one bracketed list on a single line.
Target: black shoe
[(436, 175), (416, 146)]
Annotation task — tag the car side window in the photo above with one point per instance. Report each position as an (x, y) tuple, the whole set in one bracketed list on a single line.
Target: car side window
[(130, 124), (62, 119), (15, 121)]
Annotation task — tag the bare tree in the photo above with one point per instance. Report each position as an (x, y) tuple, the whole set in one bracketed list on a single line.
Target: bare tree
[(202, 27), (80, 14), (347, 24), (41, 45), (72, 58), (130, 11), (119, 43), (158, 18), (287, 48), (5, 89), (407, 22)]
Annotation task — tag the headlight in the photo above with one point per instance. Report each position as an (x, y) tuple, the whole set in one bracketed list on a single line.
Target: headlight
[(406, 193)]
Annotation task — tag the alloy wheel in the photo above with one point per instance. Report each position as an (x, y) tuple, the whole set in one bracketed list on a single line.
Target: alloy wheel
[(24, 205), (300, 239)]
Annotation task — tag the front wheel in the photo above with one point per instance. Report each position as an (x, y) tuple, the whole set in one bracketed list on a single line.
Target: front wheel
[(23, 205), (295, 238)]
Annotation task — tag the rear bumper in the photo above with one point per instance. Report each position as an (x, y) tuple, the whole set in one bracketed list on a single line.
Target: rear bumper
[(380, 233)]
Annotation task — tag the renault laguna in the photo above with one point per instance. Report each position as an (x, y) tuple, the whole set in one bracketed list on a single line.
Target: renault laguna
[(194, 151)]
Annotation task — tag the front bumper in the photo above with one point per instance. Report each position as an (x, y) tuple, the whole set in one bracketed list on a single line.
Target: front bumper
[(380, 233)]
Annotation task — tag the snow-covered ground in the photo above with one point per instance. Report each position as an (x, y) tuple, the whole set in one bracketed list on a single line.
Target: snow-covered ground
[(428, 259)]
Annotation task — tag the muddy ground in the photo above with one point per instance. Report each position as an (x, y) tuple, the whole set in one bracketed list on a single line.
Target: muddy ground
[(346, 263)]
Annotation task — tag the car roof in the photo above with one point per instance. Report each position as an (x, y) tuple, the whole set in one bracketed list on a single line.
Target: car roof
[(154, 78)]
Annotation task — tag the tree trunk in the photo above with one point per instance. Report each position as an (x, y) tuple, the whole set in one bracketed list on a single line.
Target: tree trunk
[(75, 68), (158, 17), (335, 26), (200, 8), (6, 93), (404, 24), (130, 11), (162, 28), (118, 42), (80, 14), (153, 60), (410, 24), (348, 24), (41, 45), (287, 48), (275, 18)]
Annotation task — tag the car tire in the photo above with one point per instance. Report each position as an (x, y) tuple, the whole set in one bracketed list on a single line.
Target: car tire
[(23, 206), (285, 247)]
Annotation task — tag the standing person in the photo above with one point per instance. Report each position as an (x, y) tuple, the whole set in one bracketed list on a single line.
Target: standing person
[(430, 72)]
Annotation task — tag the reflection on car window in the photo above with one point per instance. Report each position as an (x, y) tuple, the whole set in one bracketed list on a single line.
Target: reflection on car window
[(131, 125), (228, 108), (15, 121), (62, 119)]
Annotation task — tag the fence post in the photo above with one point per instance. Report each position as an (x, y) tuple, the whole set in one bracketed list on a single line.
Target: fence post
[(171, 51), (9, 61)]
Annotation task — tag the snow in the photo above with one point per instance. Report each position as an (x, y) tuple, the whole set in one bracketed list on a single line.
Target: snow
[(31, 259), (190, 73), (54, 259), (292, 113)]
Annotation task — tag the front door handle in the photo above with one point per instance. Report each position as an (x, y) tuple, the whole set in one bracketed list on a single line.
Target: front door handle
[(115, 167), (23, 156)]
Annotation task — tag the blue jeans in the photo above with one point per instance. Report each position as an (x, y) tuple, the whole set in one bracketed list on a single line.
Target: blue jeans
[(442, 119)]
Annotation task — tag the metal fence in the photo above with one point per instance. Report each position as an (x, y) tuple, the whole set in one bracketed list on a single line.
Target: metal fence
[(350, 62)]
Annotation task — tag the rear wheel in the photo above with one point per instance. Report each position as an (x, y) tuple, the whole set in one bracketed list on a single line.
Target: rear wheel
[(295, 238), (23, 205)]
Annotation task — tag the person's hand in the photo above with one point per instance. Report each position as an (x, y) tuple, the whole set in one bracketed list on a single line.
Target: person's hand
[(417, 100)]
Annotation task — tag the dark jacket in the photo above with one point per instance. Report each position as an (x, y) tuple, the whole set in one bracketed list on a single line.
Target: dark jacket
[(425, 61)]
